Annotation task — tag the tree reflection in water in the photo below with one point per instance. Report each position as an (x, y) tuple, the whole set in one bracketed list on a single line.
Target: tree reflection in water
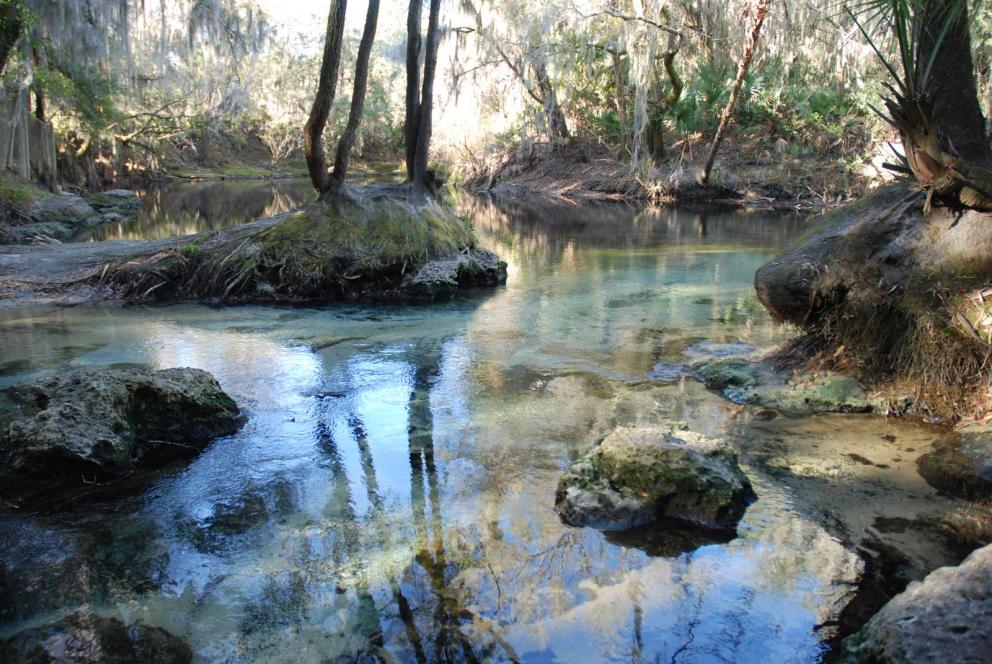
[(437, 624)]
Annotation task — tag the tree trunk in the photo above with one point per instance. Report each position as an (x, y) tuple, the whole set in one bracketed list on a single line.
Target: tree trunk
[(760, 12), (39, 90), (621, 99), (941, 126), (424, 121), (313, 132), (413, 45), (557, 125), (956, 106), (347, 142), (656, 118), (11, 23)]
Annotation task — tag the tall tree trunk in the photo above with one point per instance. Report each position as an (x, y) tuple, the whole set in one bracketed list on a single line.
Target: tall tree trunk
[(424, 121), (620, 99), (11, 24), (952, 79), (557, 125), (760, 12), (413, 46), (347, 142), (313, 132), (938, 114), (39, 90)]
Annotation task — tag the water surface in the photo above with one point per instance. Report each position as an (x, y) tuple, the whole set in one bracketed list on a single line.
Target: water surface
[(392, 493)]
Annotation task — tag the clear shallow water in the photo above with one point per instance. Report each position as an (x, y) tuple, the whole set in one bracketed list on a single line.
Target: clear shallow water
[(392, 493)]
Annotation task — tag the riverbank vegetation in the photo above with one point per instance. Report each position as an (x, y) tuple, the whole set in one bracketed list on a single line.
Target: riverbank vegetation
[(142, 89)]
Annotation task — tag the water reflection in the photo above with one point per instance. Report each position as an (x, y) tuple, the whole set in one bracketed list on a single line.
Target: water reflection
[(199, 207), (391, 497)]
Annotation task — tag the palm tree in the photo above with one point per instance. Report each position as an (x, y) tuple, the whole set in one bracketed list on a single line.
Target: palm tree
[(933, 101)]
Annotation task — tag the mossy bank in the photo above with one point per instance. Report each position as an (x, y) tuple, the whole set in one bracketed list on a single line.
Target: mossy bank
[(362, 242)]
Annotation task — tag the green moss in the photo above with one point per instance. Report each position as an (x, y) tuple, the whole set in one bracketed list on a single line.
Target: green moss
[(242, 171), (347, 239), (19, 194)]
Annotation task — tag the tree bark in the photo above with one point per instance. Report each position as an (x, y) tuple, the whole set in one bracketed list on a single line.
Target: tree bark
[(424, 121), (347, 142), (313, 132), (938, 114), (557, 125), (413, 46), (760, 12), (11, 23), (952, 79)]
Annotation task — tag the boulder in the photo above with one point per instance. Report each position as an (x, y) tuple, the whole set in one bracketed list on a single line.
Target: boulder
[(85, 637), (636, 475), (944, 618), (104, 424), (64, 208), (115, 200), (759, 384)]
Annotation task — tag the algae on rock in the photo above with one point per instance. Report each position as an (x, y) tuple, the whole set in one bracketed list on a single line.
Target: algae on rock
[(637, 475)]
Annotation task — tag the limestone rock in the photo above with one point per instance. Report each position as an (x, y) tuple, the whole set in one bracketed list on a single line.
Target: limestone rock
[(106, 423), (64, 208), (637, 475), (474, 268), (944, 618)]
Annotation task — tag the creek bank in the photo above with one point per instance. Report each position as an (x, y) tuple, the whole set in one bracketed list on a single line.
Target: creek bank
[(60, 216), (104, 425), (946, 617), (636, 475), (367, 242), (83, 636), (895, 295), (748, 174)]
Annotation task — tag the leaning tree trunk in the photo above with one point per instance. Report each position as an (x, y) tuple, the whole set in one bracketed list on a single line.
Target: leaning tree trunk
[(413, 45), (347, 141), (760, 12), (940, 122), (424, 120), (313, 132)]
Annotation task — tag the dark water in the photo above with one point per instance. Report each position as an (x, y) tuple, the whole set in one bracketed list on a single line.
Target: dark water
[(200, 207), (392, 493)]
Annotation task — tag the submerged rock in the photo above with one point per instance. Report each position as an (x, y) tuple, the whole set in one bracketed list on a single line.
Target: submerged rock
[(758, 384), (961, 465), (944, 618), (635, 476), (106, 423), (85, 637)]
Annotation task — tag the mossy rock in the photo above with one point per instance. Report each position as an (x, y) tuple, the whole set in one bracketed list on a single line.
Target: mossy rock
[(637, 475), (759, 384), (106, 424)]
